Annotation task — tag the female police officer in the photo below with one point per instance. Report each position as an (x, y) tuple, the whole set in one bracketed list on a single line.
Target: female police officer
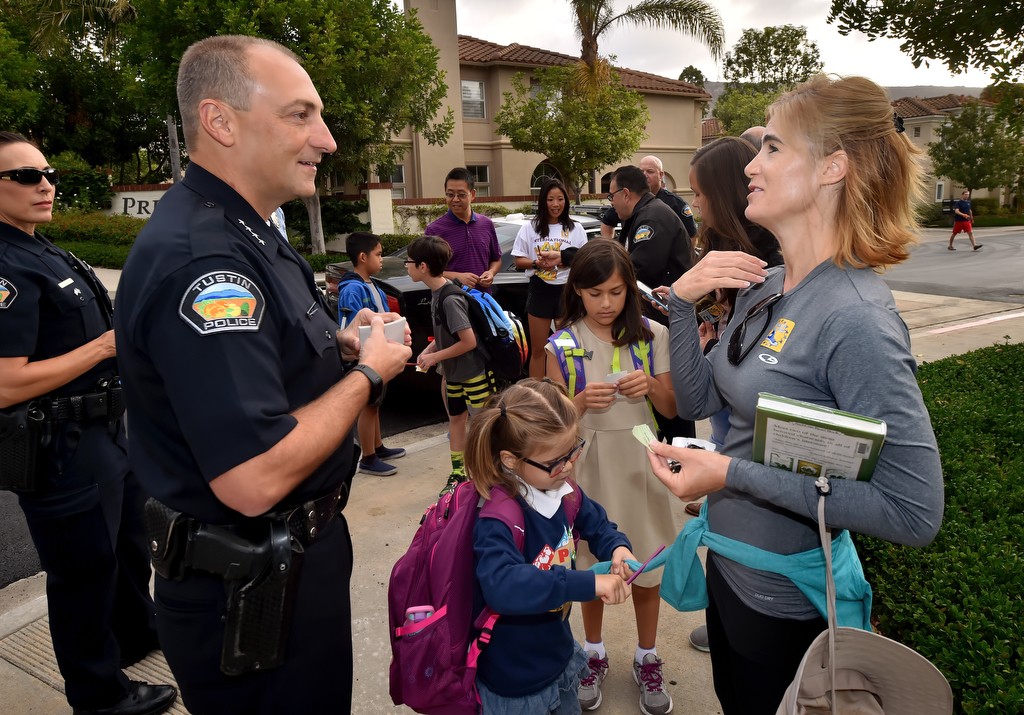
[(83, 506)]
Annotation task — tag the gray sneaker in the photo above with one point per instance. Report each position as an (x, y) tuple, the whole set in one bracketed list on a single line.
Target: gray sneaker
[(654, 699), (699, 639), (590, 685)]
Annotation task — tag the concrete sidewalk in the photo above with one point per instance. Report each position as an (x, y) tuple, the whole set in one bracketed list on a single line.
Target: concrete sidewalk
[(383, 514)]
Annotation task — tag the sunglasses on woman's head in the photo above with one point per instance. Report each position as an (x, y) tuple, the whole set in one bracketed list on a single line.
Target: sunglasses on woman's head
[(31, 177)]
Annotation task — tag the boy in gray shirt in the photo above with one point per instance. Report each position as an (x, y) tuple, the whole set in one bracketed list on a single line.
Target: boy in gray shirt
[(468, 383)]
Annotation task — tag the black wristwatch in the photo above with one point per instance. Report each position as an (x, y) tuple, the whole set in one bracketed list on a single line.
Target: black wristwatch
[(376, 384)]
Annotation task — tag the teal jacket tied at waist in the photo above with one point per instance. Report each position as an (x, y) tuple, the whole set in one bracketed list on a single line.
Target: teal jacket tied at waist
[(684, 588)]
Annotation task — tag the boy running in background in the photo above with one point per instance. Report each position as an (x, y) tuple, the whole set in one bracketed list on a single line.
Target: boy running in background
[(466, 380), (356, 290)]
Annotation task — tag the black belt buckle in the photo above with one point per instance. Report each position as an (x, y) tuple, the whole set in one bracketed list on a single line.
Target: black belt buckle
[(307, 521)]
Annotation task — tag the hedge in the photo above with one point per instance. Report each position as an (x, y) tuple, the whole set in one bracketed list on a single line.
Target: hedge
[(959, 600)]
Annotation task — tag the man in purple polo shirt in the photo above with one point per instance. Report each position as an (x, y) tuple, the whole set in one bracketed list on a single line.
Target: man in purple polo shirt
[(476, 255)]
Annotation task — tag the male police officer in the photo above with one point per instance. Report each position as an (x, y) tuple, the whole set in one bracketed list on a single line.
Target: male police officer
[(241, 410), (652, 233), (652, 168), (659, 249)]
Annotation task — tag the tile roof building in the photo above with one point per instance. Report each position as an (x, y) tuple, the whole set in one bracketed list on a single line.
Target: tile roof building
[(479, 72), (922, 118)]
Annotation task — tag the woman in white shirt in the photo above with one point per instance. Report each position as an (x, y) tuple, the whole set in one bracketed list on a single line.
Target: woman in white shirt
[(541, 250)]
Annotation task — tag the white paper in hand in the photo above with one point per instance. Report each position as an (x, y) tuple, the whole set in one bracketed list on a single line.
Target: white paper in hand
[(393, 331)]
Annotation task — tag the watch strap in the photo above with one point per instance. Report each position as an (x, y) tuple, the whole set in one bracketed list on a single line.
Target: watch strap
[(376, 384)]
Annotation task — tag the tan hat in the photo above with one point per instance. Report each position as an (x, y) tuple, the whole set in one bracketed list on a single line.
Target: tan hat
[(874, 676)]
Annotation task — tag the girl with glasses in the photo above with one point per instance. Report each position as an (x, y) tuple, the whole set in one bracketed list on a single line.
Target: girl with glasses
[(835, 181), (542, 248), (615, 363), (526, 443)]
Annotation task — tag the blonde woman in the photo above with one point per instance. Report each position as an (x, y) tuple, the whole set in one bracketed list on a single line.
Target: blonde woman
[(835, 182)]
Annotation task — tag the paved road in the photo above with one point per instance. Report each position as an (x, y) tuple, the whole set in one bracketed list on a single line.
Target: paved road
[(991, 273)]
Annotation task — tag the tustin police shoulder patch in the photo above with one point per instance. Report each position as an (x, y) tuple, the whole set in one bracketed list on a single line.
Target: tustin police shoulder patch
[(7, 293), (223, 302), (643, 233)]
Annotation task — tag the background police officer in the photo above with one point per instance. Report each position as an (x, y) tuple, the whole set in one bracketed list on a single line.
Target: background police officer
[(232, 363), (652, 168), (85, 511), (659, 249)]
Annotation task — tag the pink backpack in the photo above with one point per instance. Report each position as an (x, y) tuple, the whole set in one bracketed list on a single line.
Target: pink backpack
[(436, 638)]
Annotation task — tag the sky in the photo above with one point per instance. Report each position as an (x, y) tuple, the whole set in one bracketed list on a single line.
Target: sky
[(547, 24)]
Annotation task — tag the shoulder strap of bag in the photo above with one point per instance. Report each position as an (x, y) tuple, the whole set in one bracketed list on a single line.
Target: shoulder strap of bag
[(824, 489), (570, 360)]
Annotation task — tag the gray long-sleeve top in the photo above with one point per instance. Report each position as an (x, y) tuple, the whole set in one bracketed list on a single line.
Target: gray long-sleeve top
[(839, 342)]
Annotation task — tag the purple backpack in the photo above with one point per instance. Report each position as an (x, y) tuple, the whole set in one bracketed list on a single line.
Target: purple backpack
[(436, 638)]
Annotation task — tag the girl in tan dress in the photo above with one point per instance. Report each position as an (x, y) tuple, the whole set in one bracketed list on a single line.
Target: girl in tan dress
[(604, 324)]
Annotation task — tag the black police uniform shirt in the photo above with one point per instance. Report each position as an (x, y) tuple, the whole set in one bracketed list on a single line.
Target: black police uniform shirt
[(51, 304), (657, 242), (221, 335)]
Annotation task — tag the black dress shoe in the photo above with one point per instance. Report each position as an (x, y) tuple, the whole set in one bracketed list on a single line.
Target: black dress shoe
[(142, 699)]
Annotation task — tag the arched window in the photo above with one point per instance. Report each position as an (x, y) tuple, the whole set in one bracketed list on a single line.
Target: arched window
[(669, 182), (606, 183), (543, 172)]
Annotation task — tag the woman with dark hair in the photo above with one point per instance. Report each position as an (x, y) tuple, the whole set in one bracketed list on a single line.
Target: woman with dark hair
[(82, 504), (822, 328), (541, 250), (720, 193)]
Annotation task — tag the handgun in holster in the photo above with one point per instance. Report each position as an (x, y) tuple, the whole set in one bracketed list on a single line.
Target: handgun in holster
[(22, 430), (260, 565)]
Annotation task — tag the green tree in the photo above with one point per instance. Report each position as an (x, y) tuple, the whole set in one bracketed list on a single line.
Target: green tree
[(19, 99), (375, 68), (742, 107), (577, 132), (1009, 100), (774, 57), (693, 75), (696, 18), (959, 33), (975, 150)]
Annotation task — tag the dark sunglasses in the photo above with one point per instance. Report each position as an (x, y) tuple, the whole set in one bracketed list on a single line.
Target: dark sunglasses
[(31, 177), (555, 468), (736, 350)]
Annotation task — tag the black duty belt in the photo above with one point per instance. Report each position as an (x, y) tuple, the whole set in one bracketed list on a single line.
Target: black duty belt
[(105, 405), (308, 520)]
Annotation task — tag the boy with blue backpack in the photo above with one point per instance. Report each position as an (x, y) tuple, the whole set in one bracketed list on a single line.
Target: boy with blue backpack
[(356, 290), (468, 383)]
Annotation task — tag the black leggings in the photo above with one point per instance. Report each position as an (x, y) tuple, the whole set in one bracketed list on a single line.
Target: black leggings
[(753, 656)]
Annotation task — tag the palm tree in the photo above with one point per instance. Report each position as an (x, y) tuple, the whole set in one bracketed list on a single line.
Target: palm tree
[(57, 21), (693, 17)]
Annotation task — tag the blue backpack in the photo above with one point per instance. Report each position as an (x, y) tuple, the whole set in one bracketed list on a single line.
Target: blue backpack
[(500, 339)]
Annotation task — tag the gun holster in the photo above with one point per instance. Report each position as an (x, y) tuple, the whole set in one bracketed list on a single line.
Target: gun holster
[(259, 609), (22, 429), (260, 563)]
